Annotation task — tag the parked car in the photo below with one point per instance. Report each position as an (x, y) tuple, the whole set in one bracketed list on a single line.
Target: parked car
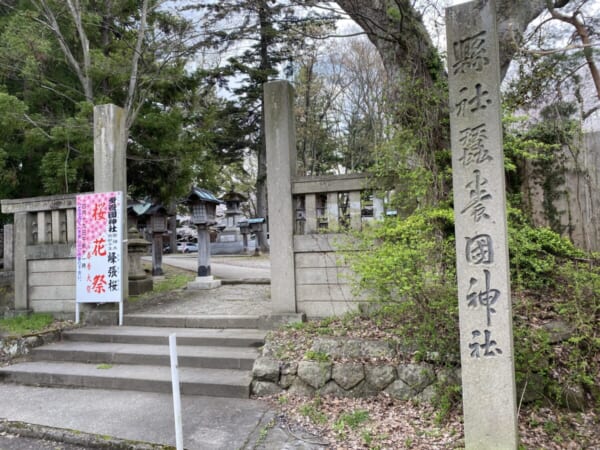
[(187, 247)]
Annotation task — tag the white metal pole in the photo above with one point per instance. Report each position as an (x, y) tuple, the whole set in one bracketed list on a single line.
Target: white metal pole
[(176, 394)]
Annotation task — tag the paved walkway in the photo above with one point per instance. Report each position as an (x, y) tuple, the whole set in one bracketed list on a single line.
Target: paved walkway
[(228, 299), (227, 267), (209, 423)]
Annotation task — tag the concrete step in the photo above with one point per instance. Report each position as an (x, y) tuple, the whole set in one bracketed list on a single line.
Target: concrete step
[(160, 335), (204, 321), (145, 354), (149, 378)]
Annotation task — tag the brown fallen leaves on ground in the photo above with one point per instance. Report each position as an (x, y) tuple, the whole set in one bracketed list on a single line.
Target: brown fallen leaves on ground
[(387, 424)]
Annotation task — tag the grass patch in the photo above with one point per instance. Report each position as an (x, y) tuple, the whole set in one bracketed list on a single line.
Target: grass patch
[(104, 366), (354, 419), (172, 282), (313, 413), (32, 323), (317, 356)]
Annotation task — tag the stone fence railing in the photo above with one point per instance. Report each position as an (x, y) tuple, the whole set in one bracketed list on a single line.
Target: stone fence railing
[(326, 206), (44, 253), (332, 203)]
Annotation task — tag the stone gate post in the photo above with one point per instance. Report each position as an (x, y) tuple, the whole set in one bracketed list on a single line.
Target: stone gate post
[(280, 135), (110, 164)]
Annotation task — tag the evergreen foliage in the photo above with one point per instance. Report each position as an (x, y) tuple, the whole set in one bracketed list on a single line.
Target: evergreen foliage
[(49, 97)]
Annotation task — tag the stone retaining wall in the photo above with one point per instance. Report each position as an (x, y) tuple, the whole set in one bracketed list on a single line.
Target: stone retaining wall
[(349, 368), (16, 346), (7, 294)]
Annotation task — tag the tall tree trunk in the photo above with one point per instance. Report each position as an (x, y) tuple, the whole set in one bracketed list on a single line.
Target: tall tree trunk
[(396, 29), (261, 176)]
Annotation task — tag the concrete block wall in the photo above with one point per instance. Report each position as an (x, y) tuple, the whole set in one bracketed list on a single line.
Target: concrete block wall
[(51, 286), (323, 281)]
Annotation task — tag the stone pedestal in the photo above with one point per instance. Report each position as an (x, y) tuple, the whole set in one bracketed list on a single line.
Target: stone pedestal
[(137, 247), (204, 280), (103, 314), (11, 313), (203, 252), (207, 282), (245, 243)]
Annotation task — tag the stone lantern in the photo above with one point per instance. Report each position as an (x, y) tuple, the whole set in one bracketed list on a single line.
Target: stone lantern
[(256, 225), (203, 209), (233, 213), (158, 226)]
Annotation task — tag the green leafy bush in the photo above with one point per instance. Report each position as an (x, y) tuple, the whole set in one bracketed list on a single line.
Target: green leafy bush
[(406, 267), (536, 254)]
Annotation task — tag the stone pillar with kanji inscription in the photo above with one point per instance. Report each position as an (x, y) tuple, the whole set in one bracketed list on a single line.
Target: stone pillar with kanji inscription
[(485, 311)]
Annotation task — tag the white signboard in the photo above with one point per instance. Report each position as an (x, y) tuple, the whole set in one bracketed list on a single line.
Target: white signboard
[(99, 248)]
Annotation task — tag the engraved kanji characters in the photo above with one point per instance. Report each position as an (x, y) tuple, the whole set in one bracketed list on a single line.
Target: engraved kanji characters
[(479, 249), (478, 194), (486, 348), (486, 297), (472, 141), (477, 102), (470, 53), (473, 107)]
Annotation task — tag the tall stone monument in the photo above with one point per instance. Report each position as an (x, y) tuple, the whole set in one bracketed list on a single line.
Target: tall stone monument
[(485, 312), (110, 175), (280, 139)]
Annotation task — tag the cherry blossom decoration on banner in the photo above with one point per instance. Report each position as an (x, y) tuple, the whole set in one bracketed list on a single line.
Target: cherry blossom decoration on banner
[(99, 248)]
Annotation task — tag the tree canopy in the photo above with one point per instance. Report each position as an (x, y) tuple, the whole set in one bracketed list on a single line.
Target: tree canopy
[(58, 58)]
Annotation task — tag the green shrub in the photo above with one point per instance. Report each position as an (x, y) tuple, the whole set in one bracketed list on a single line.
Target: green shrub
[(406, 267), (536, 254)]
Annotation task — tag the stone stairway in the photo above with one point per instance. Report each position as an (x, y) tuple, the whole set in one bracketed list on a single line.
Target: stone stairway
[(215, 356)]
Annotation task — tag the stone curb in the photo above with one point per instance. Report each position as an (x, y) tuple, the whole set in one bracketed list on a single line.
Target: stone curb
[(73, 437), (225, 281)]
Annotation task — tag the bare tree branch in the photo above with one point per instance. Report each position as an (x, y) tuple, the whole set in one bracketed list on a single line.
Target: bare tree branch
[(583, 33), (75, 9), (133, 79), (50, 21)]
